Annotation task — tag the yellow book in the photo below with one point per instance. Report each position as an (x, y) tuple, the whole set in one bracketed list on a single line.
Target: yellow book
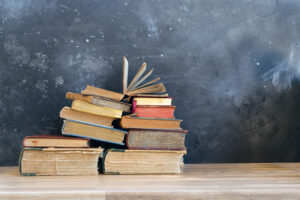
[(97, 110)]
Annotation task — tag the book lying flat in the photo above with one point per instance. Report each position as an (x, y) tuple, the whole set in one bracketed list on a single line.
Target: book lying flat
[(130, 122), (154, 111), (136, 86), (54, 141), (94, 91), (71, 114), (96, 110), (143, 101), (99, 101), (156, 139), (92, 131), (59, 161), (124, 161)]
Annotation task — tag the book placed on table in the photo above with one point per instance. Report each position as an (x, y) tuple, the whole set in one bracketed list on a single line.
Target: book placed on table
[(99, 101), (156, 139), (75, 115), (130, 122), (93, 131), (59, 161), (54, 141), (124, 161)]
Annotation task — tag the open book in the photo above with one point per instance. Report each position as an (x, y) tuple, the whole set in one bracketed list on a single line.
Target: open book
[(137, 87)]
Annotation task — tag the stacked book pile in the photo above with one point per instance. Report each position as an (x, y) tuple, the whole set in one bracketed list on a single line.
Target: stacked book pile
[(140, 123)]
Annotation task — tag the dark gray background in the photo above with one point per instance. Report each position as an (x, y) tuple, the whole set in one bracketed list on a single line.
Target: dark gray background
[(231, 66)]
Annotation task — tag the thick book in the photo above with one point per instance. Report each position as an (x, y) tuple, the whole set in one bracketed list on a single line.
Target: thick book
[(59, 161), (96, 110), (94, 91), (99, 101), (124, 161), (54, 141), (156, 139), (145, 101), (154, 111), (130, 122), (71, 114), (92, 131)]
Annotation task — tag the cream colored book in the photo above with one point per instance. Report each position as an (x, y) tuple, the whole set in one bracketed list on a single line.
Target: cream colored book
[(136, 86), (59, 161), (152, 101), (124, 161), (97, 110)]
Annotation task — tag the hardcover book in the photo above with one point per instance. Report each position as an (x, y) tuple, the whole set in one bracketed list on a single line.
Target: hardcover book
[(54, 141), (99, 101), (156, 139), (123, 161), (154, 111), (96, 110), (92, 131), (130, 122), (95, 91), (137, 101), (59, 161), (75, 115)]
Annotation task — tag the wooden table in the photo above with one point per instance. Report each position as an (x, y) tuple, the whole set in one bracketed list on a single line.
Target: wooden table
[(199, 181)]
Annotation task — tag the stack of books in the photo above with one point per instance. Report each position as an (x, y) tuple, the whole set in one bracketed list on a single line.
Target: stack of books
[(142, 118), (92, 113), (155, 140), (58, 155)]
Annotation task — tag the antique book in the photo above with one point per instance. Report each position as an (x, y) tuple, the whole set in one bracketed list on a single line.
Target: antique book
[(124, 161), (59, 161), (99, 101), (92, 131), (136, 86), (96, 110), (71, 114), (94, 91), (142, 101), (156, 139), (54, 141), (154, 111), (130, 122)]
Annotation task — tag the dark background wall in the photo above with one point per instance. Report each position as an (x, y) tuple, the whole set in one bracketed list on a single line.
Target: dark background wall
[(231, 66)]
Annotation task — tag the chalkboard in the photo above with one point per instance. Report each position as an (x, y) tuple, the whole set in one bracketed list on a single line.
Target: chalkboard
[(232, 68)]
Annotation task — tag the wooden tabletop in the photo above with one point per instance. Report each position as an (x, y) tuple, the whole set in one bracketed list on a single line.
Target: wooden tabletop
[(199, 181)]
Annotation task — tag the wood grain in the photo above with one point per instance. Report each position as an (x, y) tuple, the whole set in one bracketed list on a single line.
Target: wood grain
[(201, 181)]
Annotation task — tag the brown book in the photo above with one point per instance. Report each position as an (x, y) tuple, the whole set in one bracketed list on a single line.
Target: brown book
[(71, 114), (59, 161), (150, 123), (156, 139), (95, 132), (94, 91), (99, 101), (123, 161), (54, 141)]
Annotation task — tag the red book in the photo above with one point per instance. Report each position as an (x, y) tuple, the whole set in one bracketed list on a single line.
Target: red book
[(154, 111)]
